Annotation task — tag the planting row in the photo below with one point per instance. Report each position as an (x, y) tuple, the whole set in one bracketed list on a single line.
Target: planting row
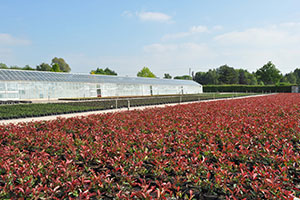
[(35, 110), (237, 149)]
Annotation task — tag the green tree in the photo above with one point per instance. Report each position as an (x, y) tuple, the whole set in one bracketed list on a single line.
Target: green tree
[(253, 80), (200, 78), (184, 77), (268, 74), (15, 67), (63, 66), (3, 66), (207, 78), (167, 76), (27, 67), (246, 78), (227, 75), (145, 72), (106, 71), (289, 78), (44, 67), (55, 68), (297, 75)]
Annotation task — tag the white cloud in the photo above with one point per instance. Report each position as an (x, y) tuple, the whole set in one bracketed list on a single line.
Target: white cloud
[(291, 24), (253, 47), (249, 49), (262, 37), (198, 29), (149, 16), (9, 40), (193, 30), (153, 16)]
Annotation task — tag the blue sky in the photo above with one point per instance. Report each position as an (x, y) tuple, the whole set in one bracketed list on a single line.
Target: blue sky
[(168, 36)]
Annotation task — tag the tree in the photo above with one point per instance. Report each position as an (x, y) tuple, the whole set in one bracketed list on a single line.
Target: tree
[(15, 67), (3, 66), (184, 77), (27, 67), (297, 74), (145, 72), (167, 76), (227, 75), (268, 74), (55, 68), (289, 78), (63, 66), (106, 71), (253, 80), (246, 78), (207, 78), (43, 67)]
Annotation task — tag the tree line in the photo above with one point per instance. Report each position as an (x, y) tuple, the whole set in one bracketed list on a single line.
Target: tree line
[(268, 74), (57, 65)]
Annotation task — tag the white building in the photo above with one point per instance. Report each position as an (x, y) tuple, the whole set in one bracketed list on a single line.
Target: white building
[(21, 84)]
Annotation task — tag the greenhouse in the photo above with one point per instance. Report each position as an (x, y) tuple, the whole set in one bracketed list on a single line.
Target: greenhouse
[(21, 84)]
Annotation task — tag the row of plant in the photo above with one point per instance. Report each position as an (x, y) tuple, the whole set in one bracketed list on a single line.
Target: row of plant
[(248, 88), (36, 110), (238, 149)]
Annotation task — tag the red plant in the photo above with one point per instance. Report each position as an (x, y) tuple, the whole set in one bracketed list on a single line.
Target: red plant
[(233, 149)]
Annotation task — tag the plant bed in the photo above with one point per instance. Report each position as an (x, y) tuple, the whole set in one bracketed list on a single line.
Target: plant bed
[(237, 149)]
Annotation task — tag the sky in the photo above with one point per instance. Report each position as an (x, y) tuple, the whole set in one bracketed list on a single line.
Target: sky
[(168, 36)]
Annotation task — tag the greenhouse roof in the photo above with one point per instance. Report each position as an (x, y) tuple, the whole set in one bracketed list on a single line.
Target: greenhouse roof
[(24, 75)]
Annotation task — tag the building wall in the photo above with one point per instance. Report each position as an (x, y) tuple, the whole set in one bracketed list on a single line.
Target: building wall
[(12, 90)]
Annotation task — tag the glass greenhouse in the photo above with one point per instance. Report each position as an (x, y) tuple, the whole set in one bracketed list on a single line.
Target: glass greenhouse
[(21, 84)]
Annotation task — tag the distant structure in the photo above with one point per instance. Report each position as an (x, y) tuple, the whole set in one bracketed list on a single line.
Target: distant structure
[(23, 85)]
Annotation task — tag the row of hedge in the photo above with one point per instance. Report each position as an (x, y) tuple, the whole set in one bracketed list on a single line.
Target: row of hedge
[(37, 110), (248, 88)]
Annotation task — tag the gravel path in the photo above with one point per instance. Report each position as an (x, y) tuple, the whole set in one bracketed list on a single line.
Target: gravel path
[(53, 117)]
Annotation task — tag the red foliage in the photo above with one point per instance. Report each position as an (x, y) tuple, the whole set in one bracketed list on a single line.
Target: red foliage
[(233, 149)]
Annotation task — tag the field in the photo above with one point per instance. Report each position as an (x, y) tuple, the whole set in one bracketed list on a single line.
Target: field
[(236, 149)]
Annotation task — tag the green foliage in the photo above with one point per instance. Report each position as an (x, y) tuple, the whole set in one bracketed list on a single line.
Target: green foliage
[(145, 72), (247, 88), (43, 67), (268, 74), (55, 68), (15, 67), (106, 71), (63, 66), (227, 75), (3, 66), (27, 67), (207, 78), (289, 78), (297, 75), (246, 78), (167, 76), (184, 77)]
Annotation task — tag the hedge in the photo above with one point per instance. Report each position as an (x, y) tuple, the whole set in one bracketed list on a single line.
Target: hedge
[(248, 88)]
